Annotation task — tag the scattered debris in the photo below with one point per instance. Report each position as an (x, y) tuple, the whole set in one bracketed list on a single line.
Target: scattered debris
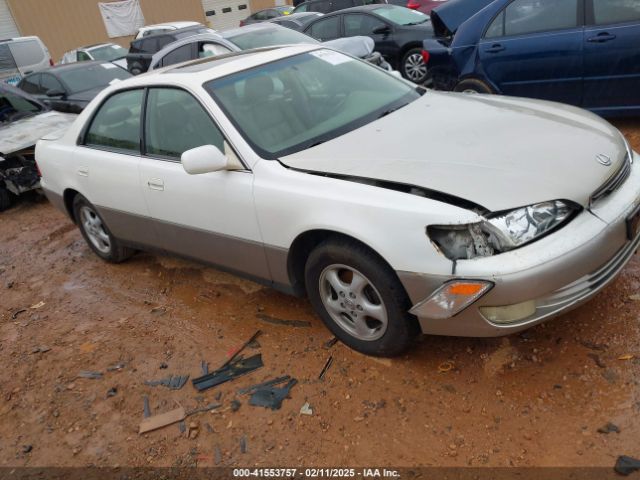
[(233, 356), (280, 321), (217, 455), (228, 371), (37, 305), (112, 392), (17, 312), (235, 405), (330, 343), (182, 427), (194, 430), (627, 356), (268, 383), (174, 382), (162, 420), (207, 408), (90, 375), (596, 358), (609, 428), (158, 310), (163, 366), (41, 349), (204, 367), (271, 397), (243, 444), (209, 427), (116, 368), (635, 297), (146, 407), (325, 368), (600, 347), (626, 465), (218, 396), (27, 448), (306, 409), (445, 367)]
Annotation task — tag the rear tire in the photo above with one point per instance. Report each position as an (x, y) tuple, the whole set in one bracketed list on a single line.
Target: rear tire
[(96, 233), (359, 298), (6, 199), (413, 66), (473, 85)]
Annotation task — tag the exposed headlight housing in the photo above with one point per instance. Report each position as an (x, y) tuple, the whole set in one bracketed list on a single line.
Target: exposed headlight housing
[(502, 231)]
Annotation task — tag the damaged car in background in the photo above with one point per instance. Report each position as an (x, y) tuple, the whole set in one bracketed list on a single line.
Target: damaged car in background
[(23, 120), (322, 187)]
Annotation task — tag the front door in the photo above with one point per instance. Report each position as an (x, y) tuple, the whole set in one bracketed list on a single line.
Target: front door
[(534, 49), (612, 55), (211, 216)]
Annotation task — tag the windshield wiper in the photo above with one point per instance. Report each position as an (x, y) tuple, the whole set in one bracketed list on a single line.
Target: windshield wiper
[(391, 110), (415, 23)]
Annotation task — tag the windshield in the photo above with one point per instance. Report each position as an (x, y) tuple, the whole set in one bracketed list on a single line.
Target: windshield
[(91, 76), (268, 37), (14, 107), (286, 9), (108, 53), (401, 15), (295, 103)]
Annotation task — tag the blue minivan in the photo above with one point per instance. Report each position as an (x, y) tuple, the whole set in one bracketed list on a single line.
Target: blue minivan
[(580, 52)]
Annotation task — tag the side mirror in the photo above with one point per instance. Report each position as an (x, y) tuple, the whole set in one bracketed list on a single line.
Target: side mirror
[(55, 92), (382, 30), (204, 159)]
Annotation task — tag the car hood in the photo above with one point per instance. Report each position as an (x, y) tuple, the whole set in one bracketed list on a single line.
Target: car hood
[(26, 132), (497, 152), (448, 17)]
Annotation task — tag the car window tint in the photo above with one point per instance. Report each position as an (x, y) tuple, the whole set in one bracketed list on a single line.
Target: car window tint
[(117, 123), (83, 56), (176, 122), (360, 25), (91, 76), (211, 50), (606, 12), (31, 84), (6, 59), (49, 82), (302, 8), (326, 29), (342, 4), (529, 16), (180, 54), (496, 29), (322, 6), (27, 53)]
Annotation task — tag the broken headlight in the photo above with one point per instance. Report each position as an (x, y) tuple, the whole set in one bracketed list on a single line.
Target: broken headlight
[(502, 231)]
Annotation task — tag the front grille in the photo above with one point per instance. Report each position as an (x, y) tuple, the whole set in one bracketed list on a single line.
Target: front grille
[(614, 182)]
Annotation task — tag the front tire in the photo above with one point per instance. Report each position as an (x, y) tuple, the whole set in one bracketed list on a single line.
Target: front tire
[(96, 233), (359, 298), (473, 85), (413, 66)]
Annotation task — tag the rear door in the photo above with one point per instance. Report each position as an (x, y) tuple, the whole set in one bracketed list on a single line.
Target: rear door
[(533, 48), (612, 55), (356, 24)]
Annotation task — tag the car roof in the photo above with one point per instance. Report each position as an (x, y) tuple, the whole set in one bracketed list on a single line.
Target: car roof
[(364, 8), (100, 45), (232, 32), (69, 66), (180, 24), (170, 33)]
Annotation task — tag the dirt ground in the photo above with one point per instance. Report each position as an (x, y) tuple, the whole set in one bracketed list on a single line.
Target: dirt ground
[(534, 399)]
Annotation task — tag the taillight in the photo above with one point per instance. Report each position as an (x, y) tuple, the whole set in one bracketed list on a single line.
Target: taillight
[(51, 62), (412, 5), (425, 56)]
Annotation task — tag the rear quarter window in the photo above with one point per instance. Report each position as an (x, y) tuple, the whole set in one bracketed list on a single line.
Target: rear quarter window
[(29, 52)]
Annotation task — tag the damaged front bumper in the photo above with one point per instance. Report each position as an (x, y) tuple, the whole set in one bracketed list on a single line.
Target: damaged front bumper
[(541, 280), (18, 172)]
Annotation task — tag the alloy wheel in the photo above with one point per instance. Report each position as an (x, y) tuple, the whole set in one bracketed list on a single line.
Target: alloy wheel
[(93, 227)]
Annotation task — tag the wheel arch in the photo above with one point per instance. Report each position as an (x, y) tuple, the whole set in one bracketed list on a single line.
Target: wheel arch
[(305, 243), (68, 196)]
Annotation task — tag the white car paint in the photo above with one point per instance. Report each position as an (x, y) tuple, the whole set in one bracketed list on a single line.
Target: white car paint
[(163, 27)]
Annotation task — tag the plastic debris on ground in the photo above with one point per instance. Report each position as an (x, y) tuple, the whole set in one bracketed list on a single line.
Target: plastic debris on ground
[(174, 382)]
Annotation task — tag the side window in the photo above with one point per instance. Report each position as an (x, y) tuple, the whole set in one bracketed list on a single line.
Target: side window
[(180, 54), (49, 82), (176, 122), (261, 15), (322, 6), (6, 59), (530, 16), (27, 53), (117, 123), (31, 84), (341, 4), (83, 56), (496, 29), (360, 25), (272, 14), (149, 45), (327, 29), (302, 8), (606, 12), (211, 50)]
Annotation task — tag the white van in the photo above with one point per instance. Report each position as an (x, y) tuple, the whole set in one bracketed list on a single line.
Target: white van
[(21, 56)]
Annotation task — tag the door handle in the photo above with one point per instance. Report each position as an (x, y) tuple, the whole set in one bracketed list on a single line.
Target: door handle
[(495, 48), (601, 38), (155, 184), (83, 171)]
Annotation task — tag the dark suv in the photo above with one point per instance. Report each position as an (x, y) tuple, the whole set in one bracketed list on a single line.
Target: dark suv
[(142, 49), (328, 6)]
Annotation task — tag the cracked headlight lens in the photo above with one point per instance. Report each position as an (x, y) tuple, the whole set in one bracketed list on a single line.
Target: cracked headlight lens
[(502, 231)]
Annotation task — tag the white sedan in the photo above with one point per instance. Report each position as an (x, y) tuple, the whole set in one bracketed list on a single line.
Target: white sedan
[(393, 208)]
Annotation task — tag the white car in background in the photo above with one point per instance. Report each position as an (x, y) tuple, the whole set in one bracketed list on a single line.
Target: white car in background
[(393, 208), (106, 52), (163, 27)]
